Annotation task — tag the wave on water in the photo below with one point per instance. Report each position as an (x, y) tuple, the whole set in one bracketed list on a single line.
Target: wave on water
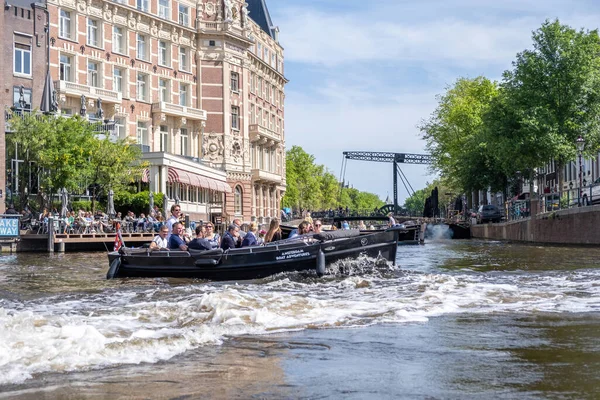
[(145, 324)]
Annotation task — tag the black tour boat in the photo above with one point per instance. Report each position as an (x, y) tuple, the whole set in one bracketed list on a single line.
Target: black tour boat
[(305, 252)]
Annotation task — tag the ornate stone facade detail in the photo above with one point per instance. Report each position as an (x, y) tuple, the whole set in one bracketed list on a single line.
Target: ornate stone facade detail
[(131, 20), (107, 12), (209, 9), (213, 148), (236, 151), (238, 176)]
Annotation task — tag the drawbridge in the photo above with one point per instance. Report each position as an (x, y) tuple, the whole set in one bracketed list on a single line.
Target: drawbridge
[(395, 159)]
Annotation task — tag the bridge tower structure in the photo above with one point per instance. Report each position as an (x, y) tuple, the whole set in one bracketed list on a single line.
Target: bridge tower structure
[(395, 159)]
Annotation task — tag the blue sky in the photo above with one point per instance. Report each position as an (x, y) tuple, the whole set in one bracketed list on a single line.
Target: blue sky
[(363, 74)]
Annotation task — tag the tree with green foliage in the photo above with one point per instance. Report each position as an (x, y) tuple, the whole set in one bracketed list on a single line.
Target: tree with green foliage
[(550, 97), (455, 137), (415, 204), (61, 147), (312, 186), (113, 165), (69, 154), (301, 178)]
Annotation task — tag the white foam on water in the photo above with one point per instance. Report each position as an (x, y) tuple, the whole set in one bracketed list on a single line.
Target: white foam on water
[(131, 326)]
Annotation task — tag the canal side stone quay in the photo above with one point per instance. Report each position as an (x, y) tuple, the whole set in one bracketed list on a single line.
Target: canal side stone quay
[(574, 226)]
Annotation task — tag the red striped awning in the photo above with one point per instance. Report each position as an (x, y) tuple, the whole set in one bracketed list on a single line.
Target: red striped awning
[(192, 179), (146, 175), (176, 175)]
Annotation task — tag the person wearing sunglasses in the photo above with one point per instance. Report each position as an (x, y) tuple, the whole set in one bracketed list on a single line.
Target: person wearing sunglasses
[(213, 237), (317, 226)]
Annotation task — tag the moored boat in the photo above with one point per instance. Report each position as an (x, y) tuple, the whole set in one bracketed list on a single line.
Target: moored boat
[(310, 252)]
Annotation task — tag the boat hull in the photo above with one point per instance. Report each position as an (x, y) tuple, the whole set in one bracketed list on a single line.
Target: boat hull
[(250, 262)]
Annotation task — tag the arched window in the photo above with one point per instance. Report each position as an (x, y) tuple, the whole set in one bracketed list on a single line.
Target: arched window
[(237, 200)]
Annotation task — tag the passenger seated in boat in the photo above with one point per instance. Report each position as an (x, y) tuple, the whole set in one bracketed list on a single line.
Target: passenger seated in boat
[(230, 238), (250, 238), (303, 229), (176, 241), (213, 237), (200, 243), (317, 226), (274, 232), (160, 241)]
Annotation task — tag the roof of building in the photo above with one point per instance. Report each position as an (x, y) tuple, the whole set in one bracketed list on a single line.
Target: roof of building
[(25, 3), (259, 13)]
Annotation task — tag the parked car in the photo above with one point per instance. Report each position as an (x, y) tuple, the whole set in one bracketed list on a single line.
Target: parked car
[(489, 212)]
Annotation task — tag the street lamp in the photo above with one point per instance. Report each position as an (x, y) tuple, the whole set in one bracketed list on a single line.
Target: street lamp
[(580, 142)]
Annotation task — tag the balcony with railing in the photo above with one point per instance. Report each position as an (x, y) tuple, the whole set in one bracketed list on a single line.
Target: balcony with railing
[(260, 133), (259, 175), (102, 128), (77, 89), (179, 111), (221, 26)]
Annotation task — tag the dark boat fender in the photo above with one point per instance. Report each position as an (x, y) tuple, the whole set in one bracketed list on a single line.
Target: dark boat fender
[(320, 263), (206, 262), (113, 271)]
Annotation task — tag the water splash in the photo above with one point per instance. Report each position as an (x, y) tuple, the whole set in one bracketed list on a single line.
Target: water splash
[(438, 232)]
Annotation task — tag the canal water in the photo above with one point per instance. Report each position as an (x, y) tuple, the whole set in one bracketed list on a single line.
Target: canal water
[(454, 320)]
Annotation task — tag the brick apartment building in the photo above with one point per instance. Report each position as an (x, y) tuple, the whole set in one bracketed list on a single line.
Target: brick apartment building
[(199, 85), (25, 43)]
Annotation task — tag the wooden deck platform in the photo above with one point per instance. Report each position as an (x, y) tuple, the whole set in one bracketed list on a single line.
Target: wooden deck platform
[(80, 241)]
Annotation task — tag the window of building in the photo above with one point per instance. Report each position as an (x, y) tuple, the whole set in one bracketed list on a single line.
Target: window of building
[(212, 43), (64, 24), (259, 51), (163, 53), (120, 127), (235, 81), (184, 15), (268, 87), (235, 117), (65, 68), (142, 54), (163, 87), (183, 94), (26, 97), (93, 78), (164, 138), (266, 58), (252, 82), (142, 5), (22, 57), (273, 60), (163, 9), (142, 133), (184, 142), (142, 87), (260, 87), (118, 41), (118, 80), (183, 59), (237, 201), (93, 33)]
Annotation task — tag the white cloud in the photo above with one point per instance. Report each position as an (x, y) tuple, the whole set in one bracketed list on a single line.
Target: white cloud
[(364, 74)]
